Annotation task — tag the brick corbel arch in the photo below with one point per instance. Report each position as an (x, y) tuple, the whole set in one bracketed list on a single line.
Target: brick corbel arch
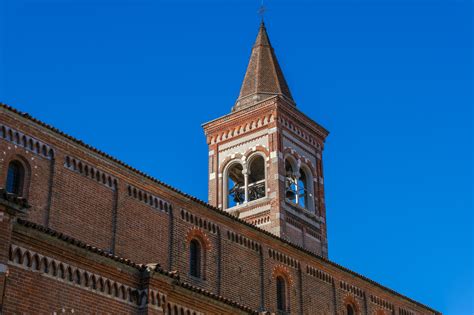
[(203, 240), (200, 236), (306, 162), (237, 157), (292, 157), (299, 159), (252, 154), (290, 151), (299, 163), (350, 300), (282, 271), (259, 148)]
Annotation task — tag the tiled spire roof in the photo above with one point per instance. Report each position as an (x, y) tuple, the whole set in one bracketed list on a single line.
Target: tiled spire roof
[(264, 78)]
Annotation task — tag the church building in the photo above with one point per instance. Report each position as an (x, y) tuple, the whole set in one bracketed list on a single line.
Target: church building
[(82, 232)]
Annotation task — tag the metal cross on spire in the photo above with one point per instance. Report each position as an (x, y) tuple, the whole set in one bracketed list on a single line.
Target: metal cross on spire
[(262, 10)]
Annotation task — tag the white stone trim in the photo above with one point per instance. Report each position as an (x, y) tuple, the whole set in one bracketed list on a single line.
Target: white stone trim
[(243, 139)]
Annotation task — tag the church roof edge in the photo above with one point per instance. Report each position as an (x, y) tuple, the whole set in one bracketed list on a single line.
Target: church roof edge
[(5, 107)]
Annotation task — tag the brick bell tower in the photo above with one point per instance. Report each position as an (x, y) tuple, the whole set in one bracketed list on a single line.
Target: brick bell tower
[(265, 157)]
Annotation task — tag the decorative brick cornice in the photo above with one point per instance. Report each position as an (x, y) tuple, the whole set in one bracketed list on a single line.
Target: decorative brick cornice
[(140, 297), (241, 129), (79, 243), (285, 259), (149, 199), (299, 213), (321, 275), (259, 218), (404, 311), (90, 172), (29, 143), (244, 241), (351, 289), (300, 132), (61, 271), (314, 233), (199, 222), (212, 126), (293, 114), (381, 302)]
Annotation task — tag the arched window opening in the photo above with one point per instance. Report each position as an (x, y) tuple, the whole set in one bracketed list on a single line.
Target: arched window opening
[(298, 186), (281, 294), (195, 259), (15, 178), (350, 310), (290, 183), (256, 179), (235, 186), (302, 189)]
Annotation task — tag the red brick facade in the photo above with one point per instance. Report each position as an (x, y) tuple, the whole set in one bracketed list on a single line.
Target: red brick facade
[(277, 131), (113, 214), (265, 122)]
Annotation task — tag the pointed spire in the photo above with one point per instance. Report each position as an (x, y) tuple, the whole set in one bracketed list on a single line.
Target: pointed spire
[(264, 78)]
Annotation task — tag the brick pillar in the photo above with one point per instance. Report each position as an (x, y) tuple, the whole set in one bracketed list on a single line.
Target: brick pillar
[(149, 305), (10, 207)]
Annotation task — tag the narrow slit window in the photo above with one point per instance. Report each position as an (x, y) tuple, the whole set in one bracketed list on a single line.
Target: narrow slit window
[(281, 294), (235, 186), (195, 259), (290, 184), (256, 181), (350, 310), (302, 189)]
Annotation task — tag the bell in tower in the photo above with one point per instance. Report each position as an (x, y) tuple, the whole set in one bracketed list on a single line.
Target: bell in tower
[(265, 157)]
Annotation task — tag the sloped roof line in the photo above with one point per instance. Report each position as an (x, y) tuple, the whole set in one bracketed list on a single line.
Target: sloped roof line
[(128, 262), (205, 204)]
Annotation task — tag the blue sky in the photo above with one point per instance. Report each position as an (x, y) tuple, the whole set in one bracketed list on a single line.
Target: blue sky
[(390, 79)]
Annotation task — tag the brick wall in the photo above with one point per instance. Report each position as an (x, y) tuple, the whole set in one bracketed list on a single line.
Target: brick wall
[(81, 205), (32, 293), (241, 274), (139, 218), (49, 275), (142, 225)]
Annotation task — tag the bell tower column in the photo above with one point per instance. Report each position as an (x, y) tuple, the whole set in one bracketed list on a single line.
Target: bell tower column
[(264, 157)]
